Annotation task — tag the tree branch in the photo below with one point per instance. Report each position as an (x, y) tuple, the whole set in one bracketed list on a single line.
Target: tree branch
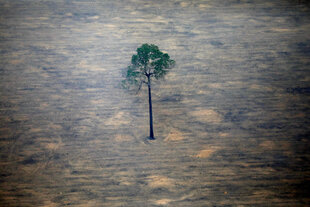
[(140, 85)]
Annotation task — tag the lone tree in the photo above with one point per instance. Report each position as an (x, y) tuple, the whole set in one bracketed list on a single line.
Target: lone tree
[(148, 63)]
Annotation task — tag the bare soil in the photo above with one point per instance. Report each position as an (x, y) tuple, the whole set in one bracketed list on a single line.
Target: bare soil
[(231, 120)]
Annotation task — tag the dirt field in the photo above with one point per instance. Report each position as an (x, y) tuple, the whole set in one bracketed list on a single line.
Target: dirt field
[(231, 119)]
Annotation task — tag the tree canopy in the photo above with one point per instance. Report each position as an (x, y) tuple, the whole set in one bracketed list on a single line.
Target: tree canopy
[(148, 62)]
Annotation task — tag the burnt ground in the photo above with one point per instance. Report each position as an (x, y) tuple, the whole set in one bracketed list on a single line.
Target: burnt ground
[(231, 119)]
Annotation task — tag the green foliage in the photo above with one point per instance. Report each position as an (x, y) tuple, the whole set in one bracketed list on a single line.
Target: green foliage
[(147, 63)]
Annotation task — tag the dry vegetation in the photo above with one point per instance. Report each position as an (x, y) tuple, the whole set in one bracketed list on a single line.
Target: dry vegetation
[(231, 119)]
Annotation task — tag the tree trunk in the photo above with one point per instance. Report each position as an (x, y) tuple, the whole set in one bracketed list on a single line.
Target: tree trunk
[(150, 109)]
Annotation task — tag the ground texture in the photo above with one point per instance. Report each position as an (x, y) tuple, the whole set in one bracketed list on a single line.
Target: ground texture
[(231, 119)]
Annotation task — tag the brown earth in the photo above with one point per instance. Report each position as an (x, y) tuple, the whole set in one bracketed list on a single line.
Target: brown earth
[(231, 119)]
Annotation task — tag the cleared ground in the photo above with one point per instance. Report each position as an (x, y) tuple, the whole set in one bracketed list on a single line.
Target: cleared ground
[(231, 119)]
